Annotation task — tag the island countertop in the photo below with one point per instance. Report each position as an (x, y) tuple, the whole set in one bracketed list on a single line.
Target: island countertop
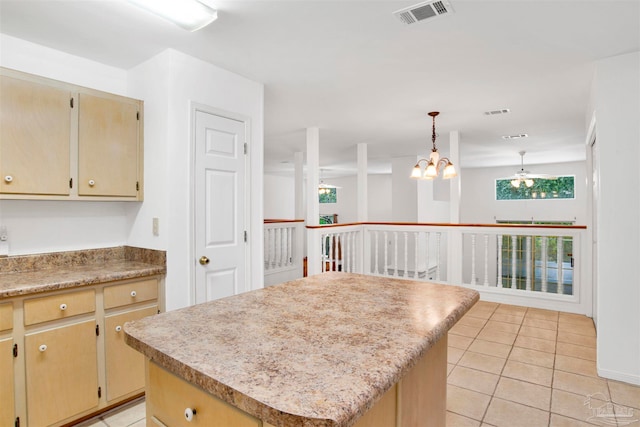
[(318, 351)]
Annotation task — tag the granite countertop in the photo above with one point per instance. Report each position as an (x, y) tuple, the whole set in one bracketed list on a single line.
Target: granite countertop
[(318, 351), (32, 274)]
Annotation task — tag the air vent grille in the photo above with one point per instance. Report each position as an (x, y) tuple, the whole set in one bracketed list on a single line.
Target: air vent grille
[(518, 136), (423, 11), (496, 112)]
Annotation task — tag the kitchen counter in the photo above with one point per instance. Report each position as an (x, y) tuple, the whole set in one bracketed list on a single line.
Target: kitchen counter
[(319, 351), (31, 274)]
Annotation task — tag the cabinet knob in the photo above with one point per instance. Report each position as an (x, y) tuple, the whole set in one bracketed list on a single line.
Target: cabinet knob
[(133, 294), (63, 307), (42, 348), (189, 414), (91, 183), (118, 328), (8, 178)]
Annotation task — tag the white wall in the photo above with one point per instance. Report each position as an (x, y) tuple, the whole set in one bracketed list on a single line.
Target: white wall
[(616, 99), (378, 193), (279, 197), (479, 204), (182, 80), (168, 83), (46, 226)]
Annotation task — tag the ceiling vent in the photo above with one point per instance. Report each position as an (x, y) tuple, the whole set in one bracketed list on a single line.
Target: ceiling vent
[(496, 112), (423, 11), (518, 136)]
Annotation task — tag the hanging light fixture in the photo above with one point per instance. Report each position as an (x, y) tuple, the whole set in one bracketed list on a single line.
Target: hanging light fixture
[(435, 163)]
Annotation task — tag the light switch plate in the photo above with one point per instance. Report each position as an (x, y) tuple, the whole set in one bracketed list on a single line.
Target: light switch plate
[(156, 227)]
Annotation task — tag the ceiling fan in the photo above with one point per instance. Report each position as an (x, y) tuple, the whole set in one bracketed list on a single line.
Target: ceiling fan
[(526, 177)]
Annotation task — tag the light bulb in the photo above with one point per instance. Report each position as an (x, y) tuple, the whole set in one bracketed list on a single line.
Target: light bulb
[(449, 171), (528, 182), (416, 172), (515, 183), (430, 172)]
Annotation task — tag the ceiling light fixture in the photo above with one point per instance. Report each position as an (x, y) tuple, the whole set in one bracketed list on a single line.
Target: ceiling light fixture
[(435, 162), (191, 15)]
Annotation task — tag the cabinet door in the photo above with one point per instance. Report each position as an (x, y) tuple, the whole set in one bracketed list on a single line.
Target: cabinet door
[(35, 129), (62, 373), (7, 408), (107, 146), (125, 366)]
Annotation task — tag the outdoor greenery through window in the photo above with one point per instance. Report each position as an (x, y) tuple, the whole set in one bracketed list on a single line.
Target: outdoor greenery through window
[(562, 187), (328, 195)]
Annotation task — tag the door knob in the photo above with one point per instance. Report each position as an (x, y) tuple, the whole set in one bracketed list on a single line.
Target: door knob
[(204, 260)]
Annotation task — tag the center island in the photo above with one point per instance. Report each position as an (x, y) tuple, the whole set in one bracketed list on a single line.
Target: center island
[(331, 350)]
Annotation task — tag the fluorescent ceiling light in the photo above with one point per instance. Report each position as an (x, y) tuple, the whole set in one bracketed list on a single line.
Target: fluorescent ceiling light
[(188, 14)]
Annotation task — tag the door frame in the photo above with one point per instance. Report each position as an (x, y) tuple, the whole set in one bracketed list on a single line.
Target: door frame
[(592, 228), (194, 108)]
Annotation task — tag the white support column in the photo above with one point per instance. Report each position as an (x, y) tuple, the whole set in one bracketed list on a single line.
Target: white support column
[(314, 262), (299, 181), (454, 259), (362, 189)]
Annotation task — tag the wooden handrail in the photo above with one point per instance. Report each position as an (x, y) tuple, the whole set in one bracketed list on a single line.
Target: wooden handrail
[(442, 224), (271, 221)]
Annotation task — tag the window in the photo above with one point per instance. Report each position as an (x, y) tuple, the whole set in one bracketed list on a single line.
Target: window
[(328, 195), (562, 187)]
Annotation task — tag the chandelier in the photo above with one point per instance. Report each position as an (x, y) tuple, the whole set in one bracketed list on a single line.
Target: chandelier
[(435, 163)]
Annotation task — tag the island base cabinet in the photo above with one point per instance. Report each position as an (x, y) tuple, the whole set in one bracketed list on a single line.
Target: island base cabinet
[(62, 373), (124, 365), (168, 398), (7, 407), (417, 400)]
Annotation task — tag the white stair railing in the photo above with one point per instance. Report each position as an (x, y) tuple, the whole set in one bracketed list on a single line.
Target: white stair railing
[(283, 250), (538, 266)]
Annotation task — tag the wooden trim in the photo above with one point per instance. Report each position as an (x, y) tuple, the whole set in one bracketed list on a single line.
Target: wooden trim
[(272, 221), (444, 224)]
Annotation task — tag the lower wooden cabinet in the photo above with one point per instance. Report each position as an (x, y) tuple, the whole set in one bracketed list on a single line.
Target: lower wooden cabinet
[(7, 408), (71, 358), (168, 397), (124, 365), (62, 372)]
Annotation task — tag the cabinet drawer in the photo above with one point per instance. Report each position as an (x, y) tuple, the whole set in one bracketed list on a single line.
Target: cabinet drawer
[(59, 306), (168, 396), (6, 316), (130, 293)]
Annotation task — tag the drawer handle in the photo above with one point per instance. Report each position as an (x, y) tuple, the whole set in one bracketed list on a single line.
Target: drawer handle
[(91, 183), (133, 294), (189, 414), (63, 307), (42, 348), (8, 179), (118, 328)]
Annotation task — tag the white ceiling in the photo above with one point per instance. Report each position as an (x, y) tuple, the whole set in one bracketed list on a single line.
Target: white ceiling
[(355, 71)]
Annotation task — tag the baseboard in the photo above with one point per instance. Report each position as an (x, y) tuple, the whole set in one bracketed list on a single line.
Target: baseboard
[(619, 376)]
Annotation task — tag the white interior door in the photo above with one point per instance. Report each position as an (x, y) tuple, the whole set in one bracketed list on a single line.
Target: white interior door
[(220, 247)]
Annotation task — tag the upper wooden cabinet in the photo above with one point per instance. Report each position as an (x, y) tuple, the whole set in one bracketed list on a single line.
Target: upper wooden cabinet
[(64, 142)]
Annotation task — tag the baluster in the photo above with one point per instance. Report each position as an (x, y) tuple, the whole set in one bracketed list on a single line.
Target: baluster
[(416, 237), (438, 256), (499, 281), (332, 252), (486, 260), (340, 248), (473, 259), (322, 251), (395, 254), (282, 248), (354, 235), (514, 253), (375, 233), (292, 232), (272, 245), (266, 249), (544, 255), (386, 253), (428, 249), (406, 255), (559, 261), (528, 265)]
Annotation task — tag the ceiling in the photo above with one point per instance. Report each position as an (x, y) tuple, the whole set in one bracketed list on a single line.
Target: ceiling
[(359, 74)]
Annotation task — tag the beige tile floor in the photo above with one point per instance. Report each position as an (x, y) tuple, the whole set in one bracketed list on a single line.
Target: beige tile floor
[(509, 366)]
